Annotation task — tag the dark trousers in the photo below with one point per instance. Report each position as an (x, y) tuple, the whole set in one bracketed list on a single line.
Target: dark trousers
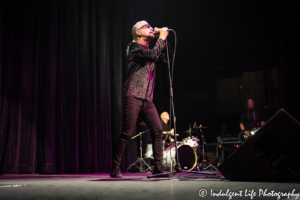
[(132, 107)]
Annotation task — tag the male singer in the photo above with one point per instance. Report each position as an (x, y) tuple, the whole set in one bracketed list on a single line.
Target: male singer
[(138, 93)]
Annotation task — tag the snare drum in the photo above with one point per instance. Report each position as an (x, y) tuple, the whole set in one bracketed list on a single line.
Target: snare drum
[(186, 154)]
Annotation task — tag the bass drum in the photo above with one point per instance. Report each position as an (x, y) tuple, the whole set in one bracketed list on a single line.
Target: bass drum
[(186, 154)]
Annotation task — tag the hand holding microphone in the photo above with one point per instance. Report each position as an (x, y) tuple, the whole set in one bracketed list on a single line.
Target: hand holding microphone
[(161, 32)]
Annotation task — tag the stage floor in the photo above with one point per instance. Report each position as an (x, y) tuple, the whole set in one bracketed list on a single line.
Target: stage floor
[(138, 186)]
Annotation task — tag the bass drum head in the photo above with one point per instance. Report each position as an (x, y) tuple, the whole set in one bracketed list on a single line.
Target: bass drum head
[(187, 157)]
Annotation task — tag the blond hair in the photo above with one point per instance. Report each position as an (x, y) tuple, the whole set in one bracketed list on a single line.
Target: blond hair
[(135, 27)]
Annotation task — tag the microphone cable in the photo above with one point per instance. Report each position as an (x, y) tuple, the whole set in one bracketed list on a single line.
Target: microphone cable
[(171, 92), (173, 61)]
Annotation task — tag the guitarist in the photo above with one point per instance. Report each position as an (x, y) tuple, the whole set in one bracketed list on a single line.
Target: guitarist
[(250, 120)]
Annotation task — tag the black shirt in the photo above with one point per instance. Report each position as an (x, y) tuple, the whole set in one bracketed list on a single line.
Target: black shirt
[(141, 70), (251, 119), (166, 127)]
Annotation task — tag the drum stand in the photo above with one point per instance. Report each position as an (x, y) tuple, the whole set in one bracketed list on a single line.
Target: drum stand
[(203, 152), (140, 159)]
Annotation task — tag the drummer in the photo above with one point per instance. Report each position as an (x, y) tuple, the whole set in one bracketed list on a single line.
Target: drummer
[(167, 132)]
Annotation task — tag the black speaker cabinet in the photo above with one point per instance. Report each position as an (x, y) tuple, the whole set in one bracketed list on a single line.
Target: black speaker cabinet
[(271, 154)]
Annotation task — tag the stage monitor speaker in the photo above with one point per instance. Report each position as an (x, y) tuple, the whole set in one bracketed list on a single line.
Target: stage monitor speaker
[(271, 154)]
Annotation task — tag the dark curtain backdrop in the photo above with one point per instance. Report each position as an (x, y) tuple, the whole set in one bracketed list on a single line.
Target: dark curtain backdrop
[(61, 74)]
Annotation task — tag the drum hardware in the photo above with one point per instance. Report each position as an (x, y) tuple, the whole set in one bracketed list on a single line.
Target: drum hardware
[(191, 141), (203, 151), (169, 133), (187, 156), (140, 159), (200, 127), (163, 147), (176, 134), (189, 131), (186, 152), (149, 151)]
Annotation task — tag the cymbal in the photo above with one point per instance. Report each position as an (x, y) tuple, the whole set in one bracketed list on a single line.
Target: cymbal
[(189, 131), (199, 127), (142, 123)]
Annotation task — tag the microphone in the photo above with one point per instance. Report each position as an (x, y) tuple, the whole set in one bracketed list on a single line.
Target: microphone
[(156, 30)]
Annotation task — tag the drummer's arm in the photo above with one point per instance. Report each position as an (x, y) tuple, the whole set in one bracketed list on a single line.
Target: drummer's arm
[(171, 139), (172, 132), (168, 132)]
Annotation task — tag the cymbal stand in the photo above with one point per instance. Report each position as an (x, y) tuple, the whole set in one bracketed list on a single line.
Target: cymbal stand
[(203, 154), (140, 159)]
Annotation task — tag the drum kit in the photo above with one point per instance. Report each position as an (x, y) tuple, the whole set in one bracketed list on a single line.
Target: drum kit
[(187, 152)]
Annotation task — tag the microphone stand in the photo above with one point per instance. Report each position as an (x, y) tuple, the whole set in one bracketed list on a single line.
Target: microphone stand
[(177, 165)]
